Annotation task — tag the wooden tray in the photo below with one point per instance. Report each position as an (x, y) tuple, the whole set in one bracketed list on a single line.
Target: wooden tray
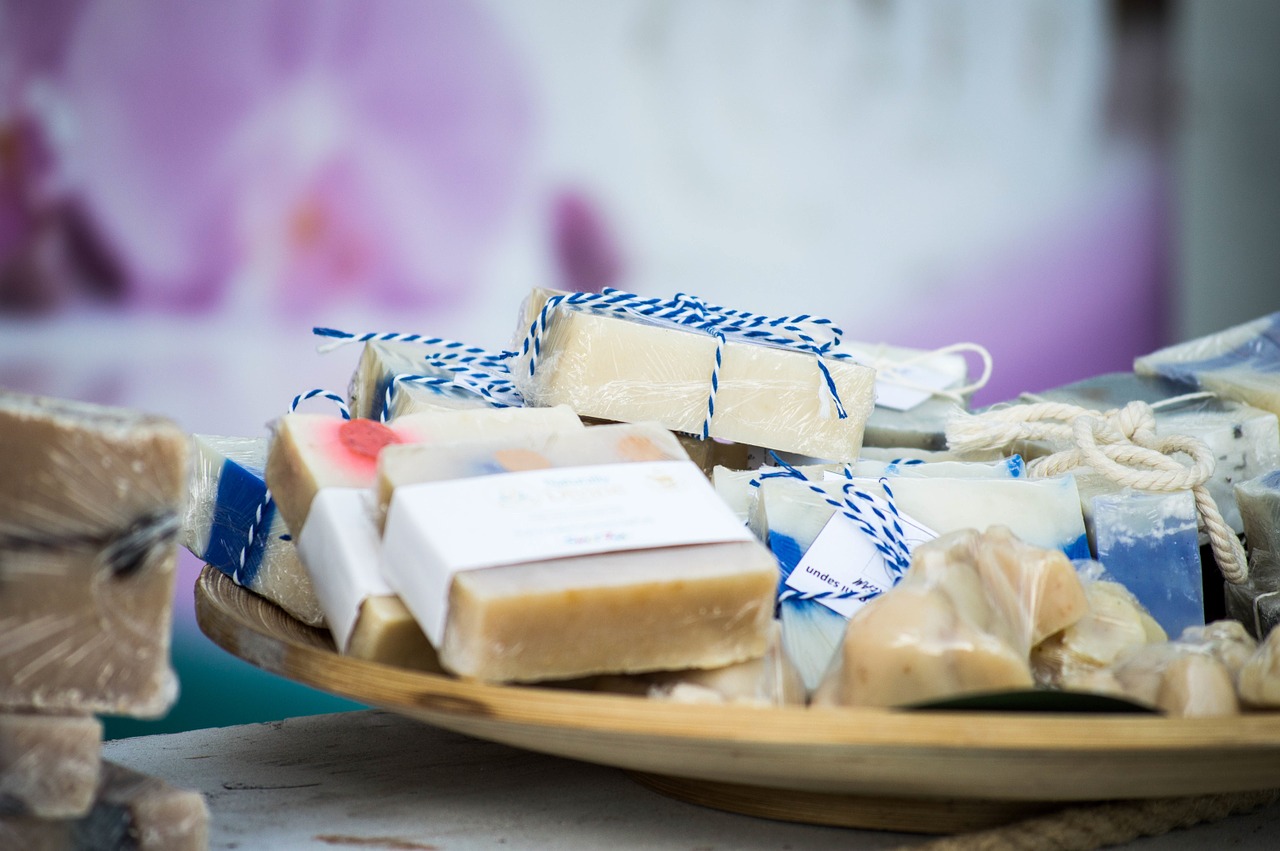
[(888, 769)]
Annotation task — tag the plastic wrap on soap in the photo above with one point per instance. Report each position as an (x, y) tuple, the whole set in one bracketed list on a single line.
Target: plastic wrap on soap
[(397, 378), (1259, 501), (1258, 680), (232, 524), (963, 620), (1114, 624), (520, 557), (617, 364), (1242, 362), (91, 503)]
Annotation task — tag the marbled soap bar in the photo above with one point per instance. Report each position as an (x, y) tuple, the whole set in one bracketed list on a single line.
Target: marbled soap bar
[(520, 561), (231, 524), (130, 812), (90, 509), (963, 620), (48, 764), (638, 370), (381, 363), (1241, 363), (1245, 441)]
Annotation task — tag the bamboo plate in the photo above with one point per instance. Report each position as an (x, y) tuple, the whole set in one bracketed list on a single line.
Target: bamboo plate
[(877, 768)]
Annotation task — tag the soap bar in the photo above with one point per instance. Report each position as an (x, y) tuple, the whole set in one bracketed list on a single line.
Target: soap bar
[(963, 620), (48, 764), (90, 508), (1148, 542), (1256, 602), (1259, 678), (381, 363), (130, 812), (1240, 363), (231, 524), (1245, 441), (631, 369), (1259, 501), (526, 582)]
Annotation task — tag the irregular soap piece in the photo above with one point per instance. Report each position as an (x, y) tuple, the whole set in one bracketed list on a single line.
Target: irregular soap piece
[(48, 764), (1242, 362), (1259, 678), (1193, 676), (90, 507), (770, 680), (630, 369), (131, 812), (963, 620), (382, 362), (231, 524), (1225, 640), (1114, 624), (521, 584), (1148, 542), (1245, 441)]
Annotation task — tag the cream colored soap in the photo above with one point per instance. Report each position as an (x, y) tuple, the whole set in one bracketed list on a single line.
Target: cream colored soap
[(90, 508), (48, 764), (700, 605), (382, 363), (633, 370)]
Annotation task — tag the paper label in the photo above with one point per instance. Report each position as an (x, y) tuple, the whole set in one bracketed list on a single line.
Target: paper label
[(844, 560), (437, 529), (902, 387)]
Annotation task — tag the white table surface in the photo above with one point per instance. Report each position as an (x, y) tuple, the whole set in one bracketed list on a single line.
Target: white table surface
[(375, 780)]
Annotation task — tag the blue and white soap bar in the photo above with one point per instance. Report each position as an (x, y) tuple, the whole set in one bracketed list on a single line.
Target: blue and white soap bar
[(232, 525), (1240, 363)]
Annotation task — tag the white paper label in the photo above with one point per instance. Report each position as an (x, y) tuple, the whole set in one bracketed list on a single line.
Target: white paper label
[(437, 529), (902, 387), (843, 560)]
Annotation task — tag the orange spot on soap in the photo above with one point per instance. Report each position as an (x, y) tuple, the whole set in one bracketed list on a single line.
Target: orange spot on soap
[(515, 460), (637, 448), (366, 437)]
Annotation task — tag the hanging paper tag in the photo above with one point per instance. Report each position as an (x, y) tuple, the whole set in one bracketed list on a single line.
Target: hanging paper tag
[(843, 565), (902, 388)]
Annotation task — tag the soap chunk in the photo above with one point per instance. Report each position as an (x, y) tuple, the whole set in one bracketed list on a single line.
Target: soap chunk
[(231, 524), (90, 507), (963, 620), (1259, 677), (540, 616), (636, 370), (382, 362), (131, 812), (48, 764), (1241, 363)]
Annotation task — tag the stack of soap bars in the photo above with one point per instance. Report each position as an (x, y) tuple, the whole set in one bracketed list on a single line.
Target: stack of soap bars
[(90, 511), (542, 513)]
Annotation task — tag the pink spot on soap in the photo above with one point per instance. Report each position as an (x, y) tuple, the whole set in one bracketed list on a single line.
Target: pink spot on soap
[(365, 437)]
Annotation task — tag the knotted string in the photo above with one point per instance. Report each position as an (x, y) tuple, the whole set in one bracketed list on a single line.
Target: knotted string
[(886, 534), (1120, 444), (797, 333)]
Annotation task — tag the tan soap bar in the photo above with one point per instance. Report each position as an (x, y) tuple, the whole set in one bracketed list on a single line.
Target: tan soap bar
[(48, 764), (501, 603), (963, 620), (130, 812), (90, 507), (629, 369)]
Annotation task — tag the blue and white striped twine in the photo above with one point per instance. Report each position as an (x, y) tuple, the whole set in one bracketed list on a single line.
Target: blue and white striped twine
[(797, 333), (886, 535)]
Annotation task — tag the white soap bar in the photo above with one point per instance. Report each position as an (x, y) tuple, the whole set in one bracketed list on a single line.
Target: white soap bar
[(385, 368), (231, 524), (631, 369), (537, 615)]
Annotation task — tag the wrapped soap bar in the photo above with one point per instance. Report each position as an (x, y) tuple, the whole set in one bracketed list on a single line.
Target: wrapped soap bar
[(329, 466), (963, 620), (90, 508), (598, 551), (130, 812), (770, 680), (1256, 602), (397, 378), (1258, 680), (1149, 543), (610, 356), (232, 524), (1240, 363), (1194, 676), (48, 764), (1244, 440)]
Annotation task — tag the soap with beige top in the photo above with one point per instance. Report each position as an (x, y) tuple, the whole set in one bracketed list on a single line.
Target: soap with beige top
[(90, 508), (572, 554)]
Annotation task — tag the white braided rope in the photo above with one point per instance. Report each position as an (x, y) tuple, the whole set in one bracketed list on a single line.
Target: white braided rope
[(1120, 444)]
